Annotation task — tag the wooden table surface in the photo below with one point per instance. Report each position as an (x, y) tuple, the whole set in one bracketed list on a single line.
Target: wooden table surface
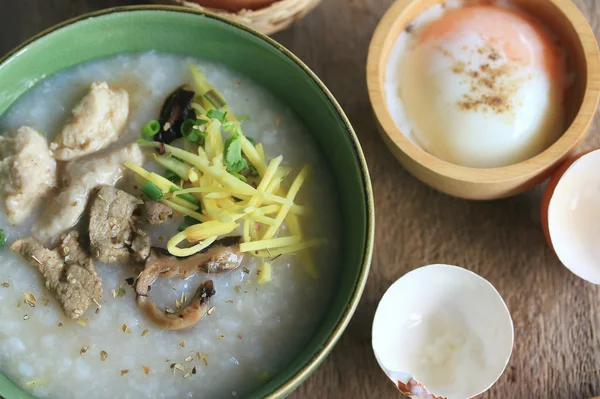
[(556, 315)]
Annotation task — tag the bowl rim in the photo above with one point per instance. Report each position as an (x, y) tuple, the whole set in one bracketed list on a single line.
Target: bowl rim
[(321, 353), (514, 172)]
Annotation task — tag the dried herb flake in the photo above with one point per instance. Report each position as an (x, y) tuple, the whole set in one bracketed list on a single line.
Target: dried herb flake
[(30, 299)]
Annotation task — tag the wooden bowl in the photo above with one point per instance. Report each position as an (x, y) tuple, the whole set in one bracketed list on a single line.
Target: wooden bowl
[(267, 20), (573, 31)]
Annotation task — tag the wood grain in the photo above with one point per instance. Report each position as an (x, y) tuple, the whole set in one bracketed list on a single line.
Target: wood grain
[(556, 315)]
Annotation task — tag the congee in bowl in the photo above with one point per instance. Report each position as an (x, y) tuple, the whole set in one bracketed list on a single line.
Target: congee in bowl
[(170, 229)]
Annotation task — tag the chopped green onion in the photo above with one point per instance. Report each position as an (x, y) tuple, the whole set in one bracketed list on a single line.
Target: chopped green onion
[(188, 132), (218, 115), (186, 196), (143, 141), (3, 238), (171, 176), (191, 132), (152, 191), (151, 129), (215, 98), (187, 222), (189, 198)]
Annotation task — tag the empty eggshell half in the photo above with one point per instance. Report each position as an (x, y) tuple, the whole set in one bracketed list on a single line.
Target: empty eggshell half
[(442, 331), (570, 211)]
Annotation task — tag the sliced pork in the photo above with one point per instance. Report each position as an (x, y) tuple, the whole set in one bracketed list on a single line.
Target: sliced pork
[(98, 120), (27, 172), (114, 238), (156, 213), (68, 270), (64, 211)]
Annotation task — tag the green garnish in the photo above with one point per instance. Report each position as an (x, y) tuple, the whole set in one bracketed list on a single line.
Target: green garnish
[(150, 129), (218, 115), (190, 130), (233, 127), (215, 98), (233, 155), (152, 191), (171, 176), (189, 198), (3, 238), (186, 196), (187, 222), (144, 141)]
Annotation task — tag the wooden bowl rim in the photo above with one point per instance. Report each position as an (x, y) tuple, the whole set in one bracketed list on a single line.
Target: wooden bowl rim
[(530, 167)]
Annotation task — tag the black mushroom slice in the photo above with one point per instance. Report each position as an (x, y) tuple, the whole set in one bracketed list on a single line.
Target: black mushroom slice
[(175, 109), (187, 317)]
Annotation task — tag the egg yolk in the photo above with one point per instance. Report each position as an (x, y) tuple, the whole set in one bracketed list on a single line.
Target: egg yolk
[(521, 38)]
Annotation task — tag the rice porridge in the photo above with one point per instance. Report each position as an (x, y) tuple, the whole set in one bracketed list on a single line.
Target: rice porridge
[(257, 315)]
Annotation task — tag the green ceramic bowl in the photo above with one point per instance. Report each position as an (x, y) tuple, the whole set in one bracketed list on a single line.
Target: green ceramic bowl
[(194, 33)]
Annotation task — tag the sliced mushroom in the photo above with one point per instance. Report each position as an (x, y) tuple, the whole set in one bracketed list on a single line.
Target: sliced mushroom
[(223, 255), (174, 111), (188, 317)]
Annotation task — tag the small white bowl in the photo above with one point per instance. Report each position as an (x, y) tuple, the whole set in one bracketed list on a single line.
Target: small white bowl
[(442, 330)]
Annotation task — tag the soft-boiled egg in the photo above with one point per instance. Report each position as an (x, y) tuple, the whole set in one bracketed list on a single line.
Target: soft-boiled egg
[(442, 331), (570, 214), (479, 86)]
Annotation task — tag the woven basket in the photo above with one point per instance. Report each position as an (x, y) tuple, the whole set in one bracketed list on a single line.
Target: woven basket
[(271, 19)]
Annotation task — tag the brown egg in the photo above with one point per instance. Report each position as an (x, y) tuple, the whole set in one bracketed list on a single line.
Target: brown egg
[(235, 5)]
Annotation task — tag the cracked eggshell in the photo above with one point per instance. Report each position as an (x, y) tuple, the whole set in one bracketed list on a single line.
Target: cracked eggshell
[(442, 331), (570, 211)]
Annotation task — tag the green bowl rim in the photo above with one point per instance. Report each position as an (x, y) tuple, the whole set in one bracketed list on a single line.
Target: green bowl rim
[(313, 364)]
